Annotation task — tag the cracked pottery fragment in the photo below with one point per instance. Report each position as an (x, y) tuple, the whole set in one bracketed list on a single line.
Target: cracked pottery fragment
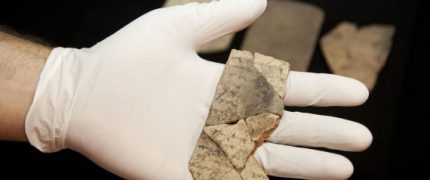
[(234, 140), (243, 91), (260, 126), (275, 71), (253, 171), (209, 162), (247, 107)]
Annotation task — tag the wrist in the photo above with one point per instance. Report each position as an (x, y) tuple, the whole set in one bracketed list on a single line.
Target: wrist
[(47, 119), (21, 62)]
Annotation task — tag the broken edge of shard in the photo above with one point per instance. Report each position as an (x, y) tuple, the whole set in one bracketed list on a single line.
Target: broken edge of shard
[(247, 88)]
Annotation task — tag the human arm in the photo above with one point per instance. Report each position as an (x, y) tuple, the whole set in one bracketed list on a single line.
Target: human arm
[(21, 62), (136, 102)]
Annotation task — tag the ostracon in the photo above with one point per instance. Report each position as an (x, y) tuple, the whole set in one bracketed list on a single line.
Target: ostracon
[(244, 91), (253, 171), (260, 126), (358, 53), (247, 107), (234, 140), (288, 30), (210, 162)]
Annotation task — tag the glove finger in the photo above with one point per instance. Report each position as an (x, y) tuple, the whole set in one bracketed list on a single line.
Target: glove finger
[(203, 22), (295, 162), (313, 130), (318, 89)]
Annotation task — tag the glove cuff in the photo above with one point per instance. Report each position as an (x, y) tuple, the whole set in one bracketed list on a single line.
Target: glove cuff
[(48, 116)]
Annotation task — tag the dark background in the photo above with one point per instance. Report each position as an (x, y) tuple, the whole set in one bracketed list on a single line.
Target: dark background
[(395, 111)]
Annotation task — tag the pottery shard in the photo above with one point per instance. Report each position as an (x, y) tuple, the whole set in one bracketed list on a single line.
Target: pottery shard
[(247, 106), (260, 126), (209, 161), (359, 53), (234, 140), (244, 91), (275, 71), (253, 171), (288, 30)]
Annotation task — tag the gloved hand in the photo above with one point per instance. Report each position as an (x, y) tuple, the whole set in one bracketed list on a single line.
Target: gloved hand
[(136, 102)]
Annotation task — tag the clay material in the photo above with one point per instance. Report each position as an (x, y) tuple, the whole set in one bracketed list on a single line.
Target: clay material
[(260, 126), (287, 30), (243, 91), (209, 162), (253, 171), (234, 140), (247, 107), (359, 53)]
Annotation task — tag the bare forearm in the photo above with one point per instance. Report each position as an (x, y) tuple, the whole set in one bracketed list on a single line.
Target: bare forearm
[(21, 62)]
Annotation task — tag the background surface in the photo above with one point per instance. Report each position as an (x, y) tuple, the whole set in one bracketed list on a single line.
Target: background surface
[(395, 111)]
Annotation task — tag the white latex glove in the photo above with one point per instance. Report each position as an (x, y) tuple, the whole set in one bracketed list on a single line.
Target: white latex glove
[(136, 102)]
